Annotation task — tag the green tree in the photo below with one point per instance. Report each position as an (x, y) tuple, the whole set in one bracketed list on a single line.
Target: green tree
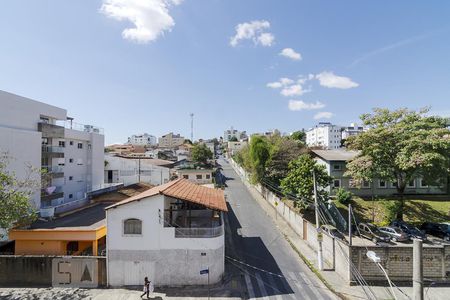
[(283, 151), (299, 180), (400, 146), (200, 154), (15, 206), (259, 154), (299, 135)]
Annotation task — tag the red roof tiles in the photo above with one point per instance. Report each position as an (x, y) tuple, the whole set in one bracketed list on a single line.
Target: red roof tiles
[(184, 190)]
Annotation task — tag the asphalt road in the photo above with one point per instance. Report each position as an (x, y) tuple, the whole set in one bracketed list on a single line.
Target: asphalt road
[(255, 248)]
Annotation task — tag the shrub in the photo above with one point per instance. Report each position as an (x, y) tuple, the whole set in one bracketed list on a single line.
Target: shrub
[(343, 196), (391, 209)]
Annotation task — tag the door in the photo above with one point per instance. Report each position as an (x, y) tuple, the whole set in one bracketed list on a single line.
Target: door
[(136, 271), (110, 176)]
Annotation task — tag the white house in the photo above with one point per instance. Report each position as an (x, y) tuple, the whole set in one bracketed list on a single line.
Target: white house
[(168, 234), (353, 129), (131, 170), (233, 133), (234, 147), (142, 139), (324, 135), (198, 176), (41, 136)]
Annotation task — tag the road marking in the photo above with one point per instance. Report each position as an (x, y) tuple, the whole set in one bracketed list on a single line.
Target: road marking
[(275, 288), (302, 289), (261, 286), (311, 286), (248, 283)]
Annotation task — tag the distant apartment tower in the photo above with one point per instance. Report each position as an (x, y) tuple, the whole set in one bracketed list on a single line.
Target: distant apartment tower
[(171, 140), (142, 140), (41, 136), (351, 130), (231, 133), (324, 135)]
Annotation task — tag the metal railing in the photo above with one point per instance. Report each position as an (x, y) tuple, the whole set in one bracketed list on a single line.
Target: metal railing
[(199, 232), (53, 169), (80, 127)]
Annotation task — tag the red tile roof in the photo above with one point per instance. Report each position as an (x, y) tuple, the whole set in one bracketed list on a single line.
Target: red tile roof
[(184, 190)]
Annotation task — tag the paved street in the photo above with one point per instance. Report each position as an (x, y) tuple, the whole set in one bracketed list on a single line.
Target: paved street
[(257, 250)]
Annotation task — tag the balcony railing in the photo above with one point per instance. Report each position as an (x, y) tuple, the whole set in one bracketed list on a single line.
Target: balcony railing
[(52, 149), (80, 127), (199, 232), (57, 193), (53, 169)]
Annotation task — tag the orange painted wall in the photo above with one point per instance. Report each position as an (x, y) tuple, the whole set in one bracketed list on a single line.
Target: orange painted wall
[(39, 247)]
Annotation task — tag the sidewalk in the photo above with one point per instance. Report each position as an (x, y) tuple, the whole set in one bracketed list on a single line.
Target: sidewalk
[(331, 278)]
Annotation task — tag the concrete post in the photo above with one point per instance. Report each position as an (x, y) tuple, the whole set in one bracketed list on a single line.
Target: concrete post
[(417, 270)]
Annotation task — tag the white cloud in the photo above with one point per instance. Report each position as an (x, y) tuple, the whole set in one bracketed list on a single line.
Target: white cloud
[(150, 18), (274, 85), (300, 105), (293, 90), (290, 53), (329, 80), (323, 115), (280, 83), (255, 31)]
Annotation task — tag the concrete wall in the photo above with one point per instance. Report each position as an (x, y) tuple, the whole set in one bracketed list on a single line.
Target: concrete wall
[(36, 271), (157, 253)]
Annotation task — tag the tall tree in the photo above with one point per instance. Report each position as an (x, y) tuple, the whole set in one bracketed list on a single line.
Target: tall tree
[(299, 135), (15, 206), (201, 153), (299, 180), (399, 146), (283, 151), (259, 155)]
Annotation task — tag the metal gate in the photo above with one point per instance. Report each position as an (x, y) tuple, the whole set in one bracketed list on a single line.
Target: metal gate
[(75, 272)]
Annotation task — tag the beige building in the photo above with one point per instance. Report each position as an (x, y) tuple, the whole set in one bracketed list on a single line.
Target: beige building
[(234, 147), (198, 176), (171, 140)]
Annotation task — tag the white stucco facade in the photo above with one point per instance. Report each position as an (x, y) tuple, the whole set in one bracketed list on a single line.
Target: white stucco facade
[(144, 139), (126, 170), (156, 252)]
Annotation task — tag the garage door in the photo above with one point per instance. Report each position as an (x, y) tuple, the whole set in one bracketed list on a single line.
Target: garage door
[(136, 271)]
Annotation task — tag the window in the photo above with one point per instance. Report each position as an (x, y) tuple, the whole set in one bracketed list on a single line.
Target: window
[(336, 167), (423, 183), (71, 160), (62, 143), (72, 247), (382, 184), (70, 196), (207, 176), (394, 184), (199, 176), (80, 145), (70, 177), (412, 184), (71, 143), (337, 183), (186, 176), (366, 184), (132, 226)]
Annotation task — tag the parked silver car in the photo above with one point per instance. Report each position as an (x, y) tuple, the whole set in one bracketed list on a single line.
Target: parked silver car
[(396, 234)]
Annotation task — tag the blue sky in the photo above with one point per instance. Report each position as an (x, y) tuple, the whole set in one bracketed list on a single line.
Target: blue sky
[(355, 55)]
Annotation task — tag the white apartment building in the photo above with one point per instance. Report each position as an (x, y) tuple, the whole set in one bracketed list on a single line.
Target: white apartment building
[(353, 129), (129, 170), (233, 133), (142, 140), (41, 136), (171, 140), (324, 135), (170, 234)]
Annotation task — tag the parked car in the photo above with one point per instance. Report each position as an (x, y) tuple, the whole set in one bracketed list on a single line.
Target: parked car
[(332, 231), (396, 234), (439, 230), (371, 232), (414, 232)]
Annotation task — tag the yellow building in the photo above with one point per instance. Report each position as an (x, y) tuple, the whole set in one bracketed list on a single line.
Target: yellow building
[(80, 233)]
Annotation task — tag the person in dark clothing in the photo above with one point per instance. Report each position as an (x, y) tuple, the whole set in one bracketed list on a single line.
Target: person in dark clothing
[(146, 287)]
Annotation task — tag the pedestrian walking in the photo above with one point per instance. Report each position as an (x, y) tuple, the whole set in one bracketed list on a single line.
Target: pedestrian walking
[(146, 287)]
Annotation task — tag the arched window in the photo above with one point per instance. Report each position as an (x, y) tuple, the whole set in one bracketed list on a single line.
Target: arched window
[(132, 226)]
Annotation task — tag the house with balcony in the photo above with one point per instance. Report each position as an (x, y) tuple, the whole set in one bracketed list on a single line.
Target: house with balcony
[(168, 233)]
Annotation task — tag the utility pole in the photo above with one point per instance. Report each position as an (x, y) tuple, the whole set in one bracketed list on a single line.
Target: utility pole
[(192, 127), (319, 234), (139, 170), (350, 224), (417, 270)]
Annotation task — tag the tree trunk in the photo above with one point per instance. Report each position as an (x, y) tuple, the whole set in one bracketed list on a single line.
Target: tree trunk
[(401, 190)]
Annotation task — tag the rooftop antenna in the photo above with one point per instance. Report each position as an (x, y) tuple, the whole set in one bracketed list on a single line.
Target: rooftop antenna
[(192, 127)]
